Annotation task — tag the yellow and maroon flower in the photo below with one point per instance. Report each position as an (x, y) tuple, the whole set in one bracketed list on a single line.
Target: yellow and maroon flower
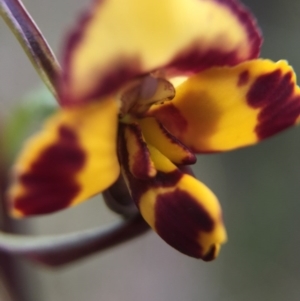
[(146, 85)]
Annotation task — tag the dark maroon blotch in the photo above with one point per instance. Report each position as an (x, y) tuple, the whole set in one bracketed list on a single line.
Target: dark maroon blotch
[(140, 186), (142, 160), (170, 117), (262, 90), (274, 94), (50, 183), (192, 60), (243, 78), (179, 221), (116, 76), (179, 217)]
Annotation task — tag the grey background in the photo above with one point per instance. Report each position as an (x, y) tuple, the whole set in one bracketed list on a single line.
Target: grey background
[(258, 188)]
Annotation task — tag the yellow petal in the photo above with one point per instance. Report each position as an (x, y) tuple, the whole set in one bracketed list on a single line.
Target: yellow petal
[(117, 40), (226, 108), (139, 161), (158, 136), (182, 210), (71, 159)]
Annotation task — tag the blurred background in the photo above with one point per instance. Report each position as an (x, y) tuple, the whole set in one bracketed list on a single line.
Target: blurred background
[(258, 188)]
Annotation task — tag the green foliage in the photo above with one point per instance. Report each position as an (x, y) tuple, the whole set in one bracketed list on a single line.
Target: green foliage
[(26, 119)]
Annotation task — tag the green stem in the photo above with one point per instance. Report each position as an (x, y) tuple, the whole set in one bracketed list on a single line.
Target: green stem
[(32, 41)]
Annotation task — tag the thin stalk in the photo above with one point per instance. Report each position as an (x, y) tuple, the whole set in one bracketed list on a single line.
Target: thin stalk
[(63, 249), (32, 41), (12, 274)]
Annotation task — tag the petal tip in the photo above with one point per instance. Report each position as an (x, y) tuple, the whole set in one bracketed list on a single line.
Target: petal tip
[(213, 253)]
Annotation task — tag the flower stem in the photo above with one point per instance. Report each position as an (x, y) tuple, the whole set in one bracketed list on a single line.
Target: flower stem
[(32, 41), (13, 276), (63, 249)]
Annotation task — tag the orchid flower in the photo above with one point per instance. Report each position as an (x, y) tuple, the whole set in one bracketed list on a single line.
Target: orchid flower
[(145, 86)]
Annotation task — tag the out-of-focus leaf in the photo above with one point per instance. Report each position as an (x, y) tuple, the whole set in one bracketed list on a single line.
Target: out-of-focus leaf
[(65, 248), (25, 119)]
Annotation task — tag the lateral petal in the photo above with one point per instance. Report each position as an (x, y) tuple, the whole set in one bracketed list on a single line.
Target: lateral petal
[(70, 160), (226, 108), (172, 148), (182, 210), (117, 40), (139, 160)]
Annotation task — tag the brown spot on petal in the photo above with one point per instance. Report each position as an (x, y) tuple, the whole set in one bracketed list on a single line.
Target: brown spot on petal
[(50, 184), (108, 81), (116, 76), (179, 219), (171, 118), (142, 166), (243, 78), (262, 90), (192, 60), (140, 186), (280, 107), (281, 120), (162, 179)]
